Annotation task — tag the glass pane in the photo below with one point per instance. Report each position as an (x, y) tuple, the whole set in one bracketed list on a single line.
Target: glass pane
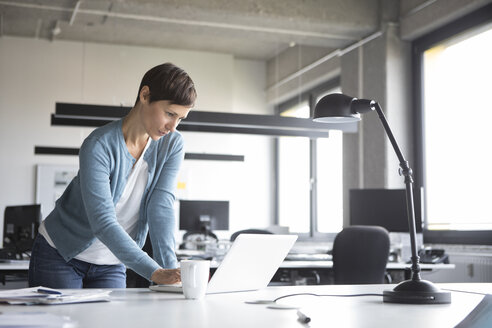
[(330, 188), (294, 188), (294, 185), (330, 178), (457, 83), (300, 110)]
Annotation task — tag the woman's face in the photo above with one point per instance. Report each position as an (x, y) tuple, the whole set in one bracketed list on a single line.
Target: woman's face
[(161, 117)]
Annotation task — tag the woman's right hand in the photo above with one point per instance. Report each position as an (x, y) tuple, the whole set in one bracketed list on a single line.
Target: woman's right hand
[(166, 276)]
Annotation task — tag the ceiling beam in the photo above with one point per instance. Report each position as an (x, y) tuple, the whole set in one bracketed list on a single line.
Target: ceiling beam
[(180, 21)]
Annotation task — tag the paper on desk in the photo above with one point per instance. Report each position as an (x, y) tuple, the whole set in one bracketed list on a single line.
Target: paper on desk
[(30, 296), (34, 319)]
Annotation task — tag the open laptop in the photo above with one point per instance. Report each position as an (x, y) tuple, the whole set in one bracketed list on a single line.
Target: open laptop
[(249, 264)]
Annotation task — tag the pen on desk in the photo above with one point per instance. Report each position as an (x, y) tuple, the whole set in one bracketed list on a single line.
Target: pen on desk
[(302, 317), (48, 291)]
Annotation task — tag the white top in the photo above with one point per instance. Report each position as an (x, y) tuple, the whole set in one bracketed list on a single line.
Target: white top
[(24, 265), (132, 307), (127, 212)]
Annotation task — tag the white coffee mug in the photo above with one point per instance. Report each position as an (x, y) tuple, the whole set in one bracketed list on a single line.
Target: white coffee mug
[(194, 278)]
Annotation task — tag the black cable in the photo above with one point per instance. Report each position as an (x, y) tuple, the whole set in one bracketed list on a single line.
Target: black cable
[(360, 295), (322, 295)]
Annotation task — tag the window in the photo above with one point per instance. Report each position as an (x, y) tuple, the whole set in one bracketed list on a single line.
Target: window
[(310, 174), (330, 187), (455, 70), (294, 178)]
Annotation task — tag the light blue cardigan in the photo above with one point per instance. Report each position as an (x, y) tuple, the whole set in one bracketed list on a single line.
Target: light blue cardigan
[(87, 207)]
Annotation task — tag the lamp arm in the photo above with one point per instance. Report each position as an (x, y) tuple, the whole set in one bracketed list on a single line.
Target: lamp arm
[(406, 171), (387, 128)]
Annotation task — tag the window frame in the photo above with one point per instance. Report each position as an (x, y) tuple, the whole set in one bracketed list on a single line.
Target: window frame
[(419, 46), (310, 96)]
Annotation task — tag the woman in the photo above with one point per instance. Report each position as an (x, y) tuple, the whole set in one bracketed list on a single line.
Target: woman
[(124, 188)]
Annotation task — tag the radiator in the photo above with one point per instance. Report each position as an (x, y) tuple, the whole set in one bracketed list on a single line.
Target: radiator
[(470, 267), (475, 267)]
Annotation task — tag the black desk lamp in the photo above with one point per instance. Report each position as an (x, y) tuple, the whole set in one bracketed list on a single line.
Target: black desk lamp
[(339, 108)]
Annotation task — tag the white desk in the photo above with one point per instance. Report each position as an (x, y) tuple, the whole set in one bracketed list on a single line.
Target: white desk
[(14, 266), (24, 265), (321, 271), (389, 266), (144, 308), (289, 269)]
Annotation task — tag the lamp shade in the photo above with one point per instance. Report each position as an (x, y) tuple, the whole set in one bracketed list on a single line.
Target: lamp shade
[(340, 108)]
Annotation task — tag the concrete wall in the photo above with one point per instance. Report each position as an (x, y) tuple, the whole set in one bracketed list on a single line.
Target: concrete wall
[(285, 75), (376, 71), (35, 74), (418, 17)]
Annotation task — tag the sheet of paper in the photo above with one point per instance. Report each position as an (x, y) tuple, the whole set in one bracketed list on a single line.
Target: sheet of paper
[(33, 296)]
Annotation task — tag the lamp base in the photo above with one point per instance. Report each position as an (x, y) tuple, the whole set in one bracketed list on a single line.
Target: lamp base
[(416, 292)]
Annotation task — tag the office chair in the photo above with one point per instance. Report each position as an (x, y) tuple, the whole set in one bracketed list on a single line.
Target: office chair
[(250, 231), (360, 255), (20, 228)]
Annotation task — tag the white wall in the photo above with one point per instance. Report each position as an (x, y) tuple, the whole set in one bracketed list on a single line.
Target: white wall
[(35, 74), (247, 185)]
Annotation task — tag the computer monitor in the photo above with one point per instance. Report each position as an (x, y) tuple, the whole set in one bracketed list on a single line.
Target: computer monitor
[(385, 207), (203, 215), (20, 227)]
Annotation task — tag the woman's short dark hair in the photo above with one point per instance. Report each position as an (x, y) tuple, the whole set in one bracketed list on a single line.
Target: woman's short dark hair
[(169, 82)]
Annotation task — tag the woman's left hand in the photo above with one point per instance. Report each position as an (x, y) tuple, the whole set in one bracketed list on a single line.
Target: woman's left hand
[(166, 276)]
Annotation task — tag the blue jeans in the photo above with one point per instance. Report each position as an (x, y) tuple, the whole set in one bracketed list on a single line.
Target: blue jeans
[(49, 269)]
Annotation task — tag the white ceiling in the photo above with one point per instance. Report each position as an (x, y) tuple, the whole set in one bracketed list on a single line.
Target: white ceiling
[(249, 29)]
